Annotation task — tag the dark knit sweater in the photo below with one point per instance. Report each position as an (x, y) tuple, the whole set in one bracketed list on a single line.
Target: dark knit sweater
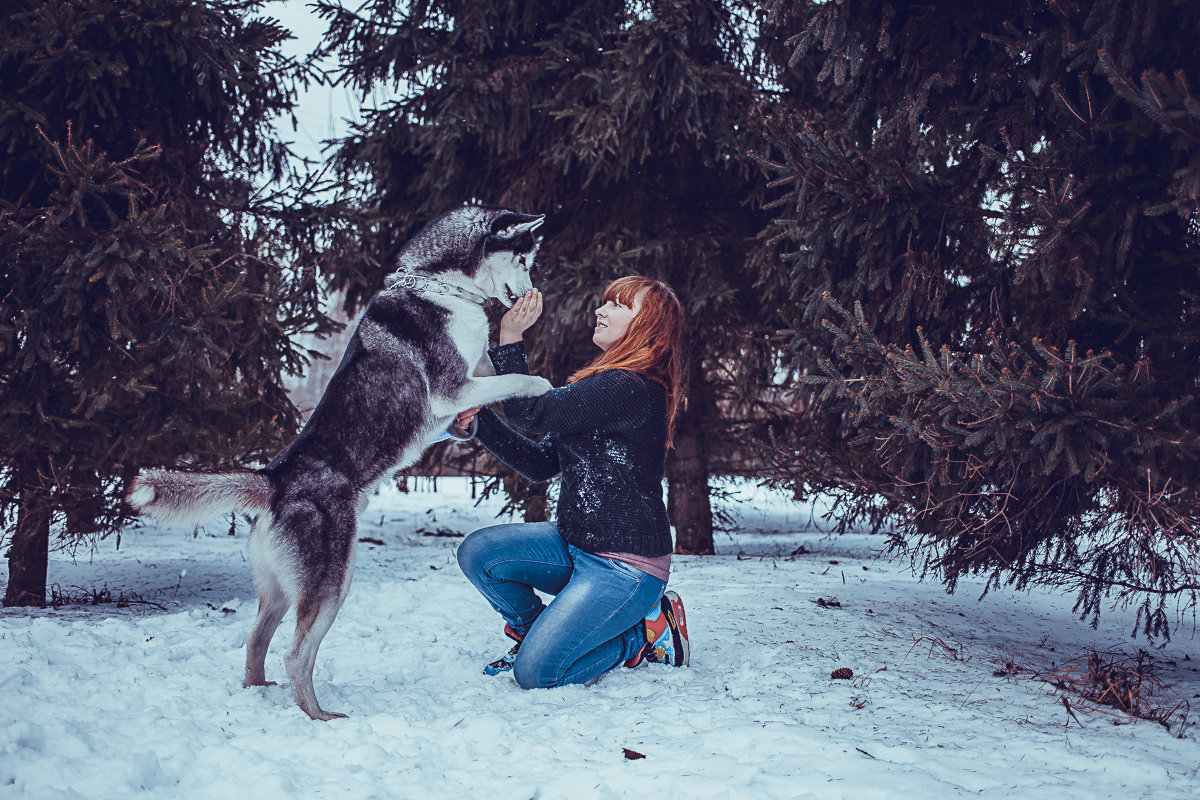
[(607, 438)]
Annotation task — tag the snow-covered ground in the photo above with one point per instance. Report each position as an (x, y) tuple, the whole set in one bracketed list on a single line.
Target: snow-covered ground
[(146, 700)]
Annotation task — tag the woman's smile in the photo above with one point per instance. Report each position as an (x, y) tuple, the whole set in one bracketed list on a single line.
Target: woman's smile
[(612, 321)]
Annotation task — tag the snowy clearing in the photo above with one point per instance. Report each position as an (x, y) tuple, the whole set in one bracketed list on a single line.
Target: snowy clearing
[(146, 700)]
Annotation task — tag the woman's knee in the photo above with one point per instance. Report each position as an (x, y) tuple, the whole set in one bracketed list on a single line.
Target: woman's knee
[(473, 551), (532, 674)]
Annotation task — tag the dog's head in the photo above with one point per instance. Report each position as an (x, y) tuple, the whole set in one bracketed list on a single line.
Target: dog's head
[(493, 247)]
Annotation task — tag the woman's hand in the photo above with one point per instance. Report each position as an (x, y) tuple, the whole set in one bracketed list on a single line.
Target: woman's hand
[(464, 419), (520, 317)]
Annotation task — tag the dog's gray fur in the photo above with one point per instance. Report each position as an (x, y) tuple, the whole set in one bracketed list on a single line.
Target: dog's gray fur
[(413, 363)]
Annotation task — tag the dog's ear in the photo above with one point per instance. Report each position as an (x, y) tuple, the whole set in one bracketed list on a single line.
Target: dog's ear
[(510, 224)]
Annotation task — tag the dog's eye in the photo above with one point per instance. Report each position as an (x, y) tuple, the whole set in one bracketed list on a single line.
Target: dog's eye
[(521, 261)]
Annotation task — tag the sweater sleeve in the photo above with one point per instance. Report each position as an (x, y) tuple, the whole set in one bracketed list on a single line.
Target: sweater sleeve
[(612, 400), (509, 358), (535, 461)]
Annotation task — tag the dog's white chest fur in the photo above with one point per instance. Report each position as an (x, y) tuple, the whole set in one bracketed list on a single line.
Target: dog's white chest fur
[(468, 329)]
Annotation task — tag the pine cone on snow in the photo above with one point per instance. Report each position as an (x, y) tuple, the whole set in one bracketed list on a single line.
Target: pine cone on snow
[(842, 674)]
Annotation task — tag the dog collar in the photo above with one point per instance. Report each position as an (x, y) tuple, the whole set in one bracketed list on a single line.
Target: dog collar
[(423, 283)]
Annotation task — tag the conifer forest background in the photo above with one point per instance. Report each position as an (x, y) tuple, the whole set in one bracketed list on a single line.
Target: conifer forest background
[(940, 260)]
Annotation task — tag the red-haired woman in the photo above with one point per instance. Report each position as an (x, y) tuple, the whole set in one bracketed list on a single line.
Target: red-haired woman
[(606, 559)]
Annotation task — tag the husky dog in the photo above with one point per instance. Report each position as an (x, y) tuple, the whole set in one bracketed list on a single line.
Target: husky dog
[(417, 358)]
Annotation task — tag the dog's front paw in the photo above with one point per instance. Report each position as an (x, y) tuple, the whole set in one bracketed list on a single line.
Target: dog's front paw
[(538, 386)]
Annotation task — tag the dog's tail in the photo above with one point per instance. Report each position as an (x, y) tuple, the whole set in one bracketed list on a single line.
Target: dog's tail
[(177, 497)]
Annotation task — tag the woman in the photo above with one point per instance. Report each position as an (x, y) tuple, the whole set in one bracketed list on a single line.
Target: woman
[(607, 557)]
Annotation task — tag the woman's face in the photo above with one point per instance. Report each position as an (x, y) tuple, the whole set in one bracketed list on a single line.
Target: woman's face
[(612, 321)]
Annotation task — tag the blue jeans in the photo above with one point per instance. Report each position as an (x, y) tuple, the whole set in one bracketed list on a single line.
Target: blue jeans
[(594, 622)]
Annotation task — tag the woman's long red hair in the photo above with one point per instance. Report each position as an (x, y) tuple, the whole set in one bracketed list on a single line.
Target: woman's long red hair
[(650, 346)]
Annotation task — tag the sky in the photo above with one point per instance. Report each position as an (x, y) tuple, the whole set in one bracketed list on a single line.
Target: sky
[(322, 112)]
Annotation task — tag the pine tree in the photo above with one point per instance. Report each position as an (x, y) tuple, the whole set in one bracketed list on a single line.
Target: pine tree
[(628, 124), (1008, 194), (144, 315)]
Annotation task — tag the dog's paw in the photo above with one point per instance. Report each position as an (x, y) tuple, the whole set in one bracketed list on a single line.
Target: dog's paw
[(538, 386), (324, 716)]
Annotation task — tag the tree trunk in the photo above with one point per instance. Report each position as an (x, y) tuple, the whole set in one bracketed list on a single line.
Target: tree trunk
[(687, 467), (528, 498), (537, 505), (29, 553), (687, 494)]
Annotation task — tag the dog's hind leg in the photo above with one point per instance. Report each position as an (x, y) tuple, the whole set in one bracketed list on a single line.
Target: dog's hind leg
[(272, 605), (274, 598), (315, 526), (317, 606), (314, 616)]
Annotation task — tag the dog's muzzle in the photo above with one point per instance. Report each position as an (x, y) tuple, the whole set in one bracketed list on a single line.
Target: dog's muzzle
[(511, 296)]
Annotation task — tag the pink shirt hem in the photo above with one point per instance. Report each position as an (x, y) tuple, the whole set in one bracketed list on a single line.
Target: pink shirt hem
[(658, 566)]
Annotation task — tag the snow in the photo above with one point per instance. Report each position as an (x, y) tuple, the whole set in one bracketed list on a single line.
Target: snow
[(102, 701)]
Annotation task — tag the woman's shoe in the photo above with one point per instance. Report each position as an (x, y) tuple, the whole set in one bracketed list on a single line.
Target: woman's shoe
[(666, 635), (652, 627), (505, 662), (672, 646)]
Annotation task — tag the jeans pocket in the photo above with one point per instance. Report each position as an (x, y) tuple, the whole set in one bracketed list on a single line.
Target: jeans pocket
[(627, 569)]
